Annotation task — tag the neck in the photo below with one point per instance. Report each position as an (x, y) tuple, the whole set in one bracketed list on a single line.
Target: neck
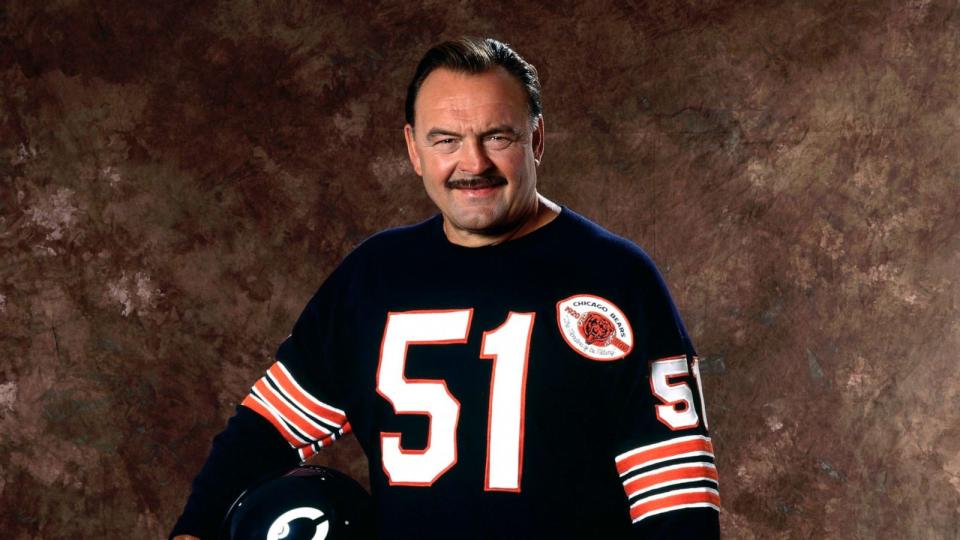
[(543, 211)]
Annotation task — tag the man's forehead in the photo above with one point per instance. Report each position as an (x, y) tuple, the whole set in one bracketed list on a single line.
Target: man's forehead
[(449, 93)]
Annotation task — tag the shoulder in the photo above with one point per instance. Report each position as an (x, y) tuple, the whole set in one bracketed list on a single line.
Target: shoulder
[(375, 253), (613, 250)]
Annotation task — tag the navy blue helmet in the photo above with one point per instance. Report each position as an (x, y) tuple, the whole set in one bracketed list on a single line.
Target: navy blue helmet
[(304, 503)]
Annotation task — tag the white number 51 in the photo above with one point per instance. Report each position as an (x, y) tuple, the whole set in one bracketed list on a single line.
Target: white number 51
[(508, 346)]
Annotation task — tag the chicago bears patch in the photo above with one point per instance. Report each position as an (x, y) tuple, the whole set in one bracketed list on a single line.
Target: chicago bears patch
[(594, 327)]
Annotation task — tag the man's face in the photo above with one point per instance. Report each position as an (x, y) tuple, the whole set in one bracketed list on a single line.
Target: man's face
[(475, 149)]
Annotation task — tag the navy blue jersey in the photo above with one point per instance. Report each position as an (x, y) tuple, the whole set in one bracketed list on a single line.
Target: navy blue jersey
[(544, 387)]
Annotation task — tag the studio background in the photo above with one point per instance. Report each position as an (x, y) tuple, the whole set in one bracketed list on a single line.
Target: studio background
[(177, 178)]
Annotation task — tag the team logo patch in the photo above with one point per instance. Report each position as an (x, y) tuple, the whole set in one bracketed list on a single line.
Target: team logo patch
[(594, 327)]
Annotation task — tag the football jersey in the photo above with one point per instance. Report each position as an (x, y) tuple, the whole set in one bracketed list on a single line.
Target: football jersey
[(544, 387)]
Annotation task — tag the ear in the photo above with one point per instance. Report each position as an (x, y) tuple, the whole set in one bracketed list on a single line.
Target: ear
[(538, 140), (412, 149)]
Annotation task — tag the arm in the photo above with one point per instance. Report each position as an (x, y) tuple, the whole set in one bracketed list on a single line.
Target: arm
[(664, 454), (668, 471), (285, 419)]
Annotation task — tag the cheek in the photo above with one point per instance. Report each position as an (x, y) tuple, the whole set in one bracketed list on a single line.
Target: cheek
[(512, 165), (437, 165)]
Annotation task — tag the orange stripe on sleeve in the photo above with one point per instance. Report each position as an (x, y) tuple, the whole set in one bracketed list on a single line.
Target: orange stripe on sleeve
[(660, 452), (302, 398), (676, 501), (649, 480), (295, 417)]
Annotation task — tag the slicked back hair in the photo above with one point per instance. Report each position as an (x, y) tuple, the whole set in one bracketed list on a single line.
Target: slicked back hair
[(476, 55)]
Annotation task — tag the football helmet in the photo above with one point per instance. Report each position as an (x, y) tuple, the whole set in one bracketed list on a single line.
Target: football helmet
[(304, 503)]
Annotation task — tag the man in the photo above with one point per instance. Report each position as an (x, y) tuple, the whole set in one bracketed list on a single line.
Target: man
[(510, 369)]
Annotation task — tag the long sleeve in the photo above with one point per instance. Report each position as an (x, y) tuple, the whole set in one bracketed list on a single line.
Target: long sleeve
[(299, 395), (287, 416), (664, 454), (668, 471)]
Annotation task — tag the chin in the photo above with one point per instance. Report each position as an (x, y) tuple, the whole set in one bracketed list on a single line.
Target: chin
[(477, 221), (476, 225)]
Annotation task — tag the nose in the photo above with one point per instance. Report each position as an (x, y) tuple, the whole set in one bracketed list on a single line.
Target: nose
[(473, 157)]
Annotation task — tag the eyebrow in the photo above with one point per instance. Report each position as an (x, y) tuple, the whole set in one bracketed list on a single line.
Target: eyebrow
[(435, 132)]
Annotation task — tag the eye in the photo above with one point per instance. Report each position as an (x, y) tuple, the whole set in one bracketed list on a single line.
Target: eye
[(446, 145), (498, 142)]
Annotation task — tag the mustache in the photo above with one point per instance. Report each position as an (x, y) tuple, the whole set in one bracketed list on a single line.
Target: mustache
[(475, 182)]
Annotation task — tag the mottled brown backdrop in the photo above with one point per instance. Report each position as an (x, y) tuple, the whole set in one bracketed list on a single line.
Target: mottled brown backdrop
[(177, 178)]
